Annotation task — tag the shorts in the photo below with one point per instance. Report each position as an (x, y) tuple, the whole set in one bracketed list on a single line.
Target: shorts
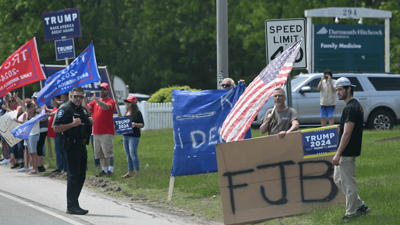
[(327, 111), (32, 143), (103, 145)]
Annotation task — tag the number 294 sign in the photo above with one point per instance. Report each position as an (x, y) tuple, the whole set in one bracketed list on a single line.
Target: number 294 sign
[(281, 34)]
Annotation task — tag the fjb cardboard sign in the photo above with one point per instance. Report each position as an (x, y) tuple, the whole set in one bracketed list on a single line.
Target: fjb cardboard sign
[(268, 177), (61, 24)]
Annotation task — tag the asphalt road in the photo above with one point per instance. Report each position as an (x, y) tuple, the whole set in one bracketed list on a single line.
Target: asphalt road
[(27, 199)]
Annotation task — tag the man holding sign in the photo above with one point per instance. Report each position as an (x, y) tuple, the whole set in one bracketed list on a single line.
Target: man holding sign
[(350, 140), (281, 119)]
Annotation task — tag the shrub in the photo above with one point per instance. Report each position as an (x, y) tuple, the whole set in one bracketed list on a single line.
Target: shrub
[(164, 95)]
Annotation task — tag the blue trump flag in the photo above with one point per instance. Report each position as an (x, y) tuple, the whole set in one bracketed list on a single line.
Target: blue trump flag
[(82, 71), (197, 120), (23, 130)]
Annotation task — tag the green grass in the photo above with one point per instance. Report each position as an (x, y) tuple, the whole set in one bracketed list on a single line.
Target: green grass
[(378, 180)]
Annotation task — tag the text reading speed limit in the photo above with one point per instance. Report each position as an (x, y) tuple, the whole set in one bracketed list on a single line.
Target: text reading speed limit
[(281, 34)]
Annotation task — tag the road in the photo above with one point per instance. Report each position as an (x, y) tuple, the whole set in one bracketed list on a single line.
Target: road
[(31, 199)]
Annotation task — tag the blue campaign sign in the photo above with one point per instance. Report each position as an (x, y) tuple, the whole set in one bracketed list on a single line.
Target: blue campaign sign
[(349, 48), (319, 142), (123, 125), (197, 119), (65, 49), (61, 24), (83, 70)]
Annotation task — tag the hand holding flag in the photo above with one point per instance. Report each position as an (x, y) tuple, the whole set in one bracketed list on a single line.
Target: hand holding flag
[(23, 130)]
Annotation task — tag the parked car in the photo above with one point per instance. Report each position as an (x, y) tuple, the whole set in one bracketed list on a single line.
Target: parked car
[(140, 97), (379, 95)]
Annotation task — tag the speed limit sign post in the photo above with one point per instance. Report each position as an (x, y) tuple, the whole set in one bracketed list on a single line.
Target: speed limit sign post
[(281, 34)]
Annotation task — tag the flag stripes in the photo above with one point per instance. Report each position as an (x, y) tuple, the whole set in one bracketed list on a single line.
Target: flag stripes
[(249, 104)]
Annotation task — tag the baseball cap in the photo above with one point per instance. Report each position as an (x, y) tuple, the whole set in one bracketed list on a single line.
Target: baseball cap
[(35, 94), (131, 98), (105, 85), (343, 81)]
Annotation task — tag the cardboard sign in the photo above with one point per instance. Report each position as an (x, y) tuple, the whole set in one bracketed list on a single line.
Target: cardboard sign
[(123, 125), (319, 142), (267, 177), (7, 123)]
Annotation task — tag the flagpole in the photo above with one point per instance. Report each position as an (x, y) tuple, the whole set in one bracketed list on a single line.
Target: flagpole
[(289, 90)]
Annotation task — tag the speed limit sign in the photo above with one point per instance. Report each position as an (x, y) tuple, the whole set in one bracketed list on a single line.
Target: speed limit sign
[(281, 34)]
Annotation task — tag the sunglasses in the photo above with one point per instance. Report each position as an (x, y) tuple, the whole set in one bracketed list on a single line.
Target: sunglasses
[(78, 96), (278, 96), (103, 89), (225, 85), (11, 101)]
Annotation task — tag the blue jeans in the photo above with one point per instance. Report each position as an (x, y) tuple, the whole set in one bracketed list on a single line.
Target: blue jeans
[(60, 158), (32, 143), (130, 146)]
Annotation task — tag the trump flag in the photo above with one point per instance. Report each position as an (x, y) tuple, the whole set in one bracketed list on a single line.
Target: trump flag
[(21, 68), (82, 71), (246, 108), (23, 130)]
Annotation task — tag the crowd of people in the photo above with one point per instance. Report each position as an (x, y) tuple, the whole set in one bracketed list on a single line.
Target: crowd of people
[(70, 123)]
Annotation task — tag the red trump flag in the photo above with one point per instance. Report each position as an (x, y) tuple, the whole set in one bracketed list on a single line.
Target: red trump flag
[(21, 68), (250, 102)]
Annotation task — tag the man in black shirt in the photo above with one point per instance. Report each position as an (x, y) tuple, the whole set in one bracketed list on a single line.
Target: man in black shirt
[(76, 127), (350, 140)]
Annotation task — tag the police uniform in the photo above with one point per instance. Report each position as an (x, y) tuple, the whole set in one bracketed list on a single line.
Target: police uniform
[(74, 143)]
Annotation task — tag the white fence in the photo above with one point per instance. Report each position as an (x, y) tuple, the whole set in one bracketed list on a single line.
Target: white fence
[(156, 115)]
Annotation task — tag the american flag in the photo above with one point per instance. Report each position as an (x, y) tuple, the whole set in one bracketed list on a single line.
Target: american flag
[(246, 108)]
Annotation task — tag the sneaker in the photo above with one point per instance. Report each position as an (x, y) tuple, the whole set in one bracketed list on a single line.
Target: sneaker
[(41, 169), (15, 165), (363, 210), (5, 162), (348, 218), (110, 174), (22, 170), (29, 169), (22, 165), (77, 210), (101, 174), (56, 171)]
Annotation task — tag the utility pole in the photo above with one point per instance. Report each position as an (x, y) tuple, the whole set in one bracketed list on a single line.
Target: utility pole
[(222, 41)]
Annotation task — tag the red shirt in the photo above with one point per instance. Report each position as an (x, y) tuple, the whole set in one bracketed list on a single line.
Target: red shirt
[(103, 119), (50, 130)]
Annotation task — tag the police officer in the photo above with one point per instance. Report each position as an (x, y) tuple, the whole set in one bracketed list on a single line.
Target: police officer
[(75, 125)]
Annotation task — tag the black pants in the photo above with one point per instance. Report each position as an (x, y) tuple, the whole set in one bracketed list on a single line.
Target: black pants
[(40, 144), (76, 160)]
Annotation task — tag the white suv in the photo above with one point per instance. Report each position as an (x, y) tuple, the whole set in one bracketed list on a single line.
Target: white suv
[(379, 95)]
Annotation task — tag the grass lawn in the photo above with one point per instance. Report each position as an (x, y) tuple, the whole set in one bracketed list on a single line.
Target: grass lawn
[(378, 179)]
